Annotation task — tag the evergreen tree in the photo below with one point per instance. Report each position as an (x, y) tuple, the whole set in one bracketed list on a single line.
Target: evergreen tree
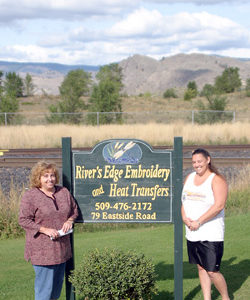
[(208, 90), (28, 85), (13, 84), (8, 104), (193, 86), (1, 83), (229, 81), (248, 87), (105, 96)]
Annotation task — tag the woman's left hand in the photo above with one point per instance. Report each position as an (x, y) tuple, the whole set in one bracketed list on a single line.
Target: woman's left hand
[(194, 225)]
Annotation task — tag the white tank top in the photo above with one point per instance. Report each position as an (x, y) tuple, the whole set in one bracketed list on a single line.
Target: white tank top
[(196, 200)]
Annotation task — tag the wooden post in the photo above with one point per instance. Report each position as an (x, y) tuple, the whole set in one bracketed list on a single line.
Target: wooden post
[(178, 226), (67, 182)]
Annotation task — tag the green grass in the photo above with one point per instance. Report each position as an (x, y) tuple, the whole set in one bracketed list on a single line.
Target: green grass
[(156, 242)]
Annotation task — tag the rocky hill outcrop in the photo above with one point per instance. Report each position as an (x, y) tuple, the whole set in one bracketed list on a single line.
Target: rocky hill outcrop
[(143, 74)]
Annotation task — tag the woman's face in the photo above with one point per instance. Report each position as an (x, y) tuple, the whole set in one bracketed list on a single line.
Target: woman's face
[(200, 163), (48, 180)]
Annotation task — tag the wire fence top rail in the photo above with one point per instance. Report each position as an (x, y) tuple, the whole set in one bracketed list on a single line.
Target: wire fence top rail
[(116, 112), (126, 117)]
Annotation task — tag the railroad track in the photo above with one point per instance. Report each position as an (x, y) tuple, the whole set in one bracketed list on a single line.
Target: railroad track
[(222, 155)]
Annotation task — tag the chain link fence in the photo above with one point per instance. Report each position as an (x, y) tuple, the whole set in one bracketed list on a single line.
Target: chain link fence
[(99, 118)]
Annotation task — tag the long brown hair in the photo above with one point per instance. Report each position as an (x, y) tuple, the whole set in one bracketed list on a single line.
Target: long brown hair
[(206, 154)]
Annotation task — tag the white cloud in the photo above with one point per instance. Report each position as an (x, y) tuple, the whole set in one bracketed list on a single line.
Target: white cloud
[(143, 31), (60, 9), (24, 53), (193, 29), (133, 29), (197, 2), (140, 22)]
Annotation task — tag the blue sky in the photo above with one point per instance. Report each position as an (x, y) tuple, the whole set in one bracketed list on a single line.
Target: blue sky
[(97, 32)]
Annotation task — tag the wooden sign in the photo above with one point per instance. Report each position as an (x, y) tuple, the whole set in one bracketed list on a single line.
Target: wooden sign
[(123, 181)]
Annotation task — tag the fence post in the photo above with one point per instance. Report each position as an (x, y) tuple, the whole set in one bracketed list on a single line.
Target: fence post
[(97, 118), (5, 119)]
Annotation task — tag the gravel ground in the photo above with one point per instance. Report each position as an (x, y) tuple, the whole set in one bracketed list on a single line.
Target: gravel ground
[(20, 176)]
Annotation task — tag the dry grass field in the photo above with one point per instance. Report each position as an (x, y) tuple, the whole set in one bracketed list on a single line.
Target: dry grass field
[(26, 136), (46, 136)]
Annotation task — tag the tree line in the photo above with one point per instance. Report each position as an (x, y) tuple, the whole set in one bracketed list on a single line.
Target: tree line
[(215, 94), (104, 94), (11, 88)]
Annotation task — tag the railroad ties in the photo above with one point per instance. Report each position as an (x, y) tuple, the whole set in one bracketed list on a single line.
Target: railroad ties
[(222, 155)]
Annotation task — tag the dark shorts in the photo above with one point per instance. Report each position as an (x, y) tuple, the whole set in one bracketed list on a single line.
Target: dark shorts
[(206, 254)]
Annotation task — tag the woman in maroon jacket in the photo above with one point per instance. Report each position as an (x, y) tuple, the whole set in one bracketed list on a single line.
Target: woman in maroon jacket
[(47, 213)]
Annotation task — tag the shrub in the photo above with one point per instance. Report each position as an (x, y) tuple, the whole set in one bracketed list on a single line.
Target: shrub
[(9, 208), (248, 87), (190, 94), (170, 93), (208, 90), (214, 111), (113, 274), (193, 86)]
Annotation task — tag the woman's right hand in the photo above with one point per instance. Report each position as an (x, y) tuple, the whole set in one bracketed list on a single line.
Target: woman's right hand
[(188, 222), (52, 233)]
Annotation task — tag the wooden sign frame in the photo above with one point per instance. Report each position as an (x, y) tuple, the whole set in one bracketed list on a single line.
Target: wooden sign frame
[(158, 175)]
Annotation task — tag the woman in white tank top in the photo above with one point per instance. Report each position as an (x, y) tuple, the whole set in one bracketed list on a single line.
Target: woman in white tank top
[(203, 200)]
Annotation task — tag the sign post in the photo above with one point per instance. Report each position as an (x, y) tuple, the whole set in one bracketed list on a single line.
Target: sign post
[(124, 180), (67, 182), (178, 227)]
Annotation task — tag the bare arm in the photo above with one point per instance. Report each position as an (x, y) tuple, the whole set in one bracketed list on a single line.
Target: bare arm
[(185, 219), (220, 191)]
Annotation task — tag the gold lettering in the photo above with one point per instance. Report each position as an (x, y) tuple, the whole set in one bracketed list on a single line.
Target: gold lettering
[(167, 172), (78, 172), (153, 192), (117, 216), (97, 192), (112, 191), (153, 172), (141, 216), (83, 173), (118, 191), (112, 173)]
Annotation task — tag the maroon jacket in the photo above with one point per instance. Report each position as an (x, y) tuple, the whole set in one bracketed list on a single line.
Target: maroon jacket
[(36, 210)]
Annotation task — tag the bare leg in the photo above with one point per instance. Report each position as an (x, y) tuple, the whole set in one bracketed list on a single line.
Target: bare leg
[(220, 283), (205, 282)]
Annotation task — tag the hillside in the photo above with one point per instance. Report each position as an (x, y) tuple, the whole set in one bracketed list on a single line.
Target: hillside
[(141, 74), (41, 68), (47, 77)]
